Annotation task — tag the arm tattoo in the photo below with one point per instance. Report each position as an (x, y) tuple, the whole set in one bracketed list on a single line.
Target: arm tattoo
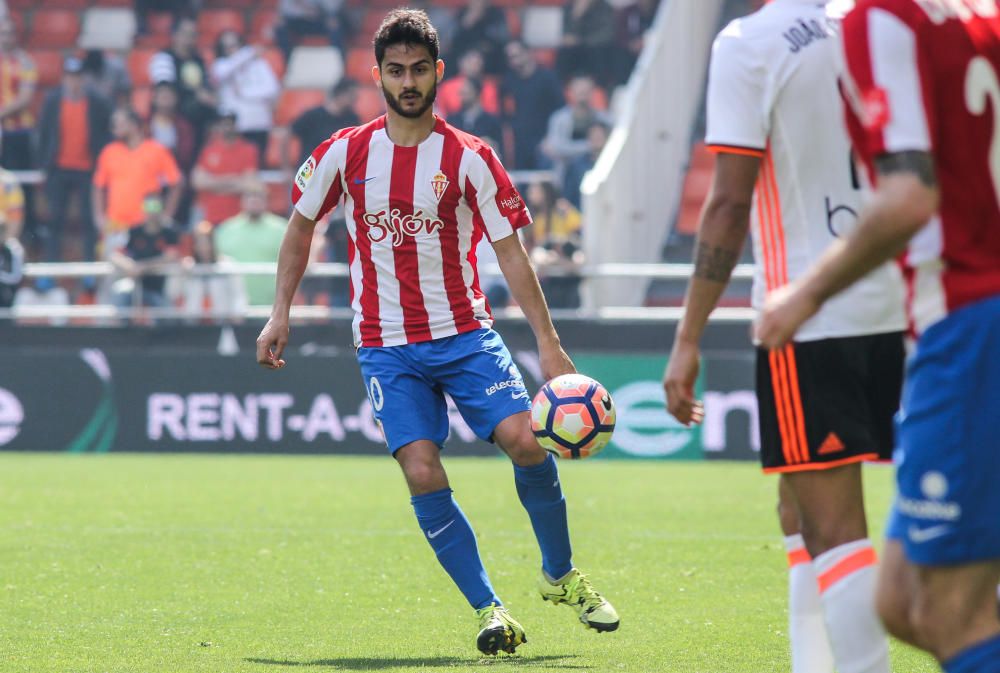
[(920, 164), (714, 263)]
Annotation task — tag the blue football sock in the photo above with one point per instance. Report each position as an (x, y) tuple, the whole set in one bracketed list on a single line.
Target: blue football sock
[(452, 539), (982, 657), (542, 496)]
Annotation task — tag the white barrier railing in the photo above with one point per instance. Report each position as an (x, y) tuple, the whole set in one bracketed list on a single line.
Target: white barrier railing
[(108, 313)]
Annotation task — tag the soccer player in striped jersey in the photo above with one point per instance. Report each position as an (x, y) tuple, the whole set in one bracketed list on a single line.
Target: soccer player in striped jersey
[(922, 83), (419, 196), (784, 171)]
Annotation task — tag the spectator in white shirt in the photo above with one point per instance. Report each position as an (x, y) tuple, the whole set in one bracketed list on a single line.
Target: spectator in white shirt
[(246, 85)]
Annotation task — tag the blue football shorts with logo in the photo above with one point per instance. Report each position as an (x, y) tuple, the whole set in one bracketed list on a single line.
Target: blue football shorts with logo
[(947, 508), (407, 385)]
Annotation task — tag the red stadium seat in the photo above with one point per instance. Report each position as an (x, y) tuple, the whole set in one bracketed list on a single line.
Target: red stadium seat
[(20, 24), (514, 21), (160, 23), (262, 27), (64, 4), (275, 141), (279, 198), (211, 22), (49, 63), (276, 60), (141, 98), (370, 103), (359, 64), (114, 3), (56, 28), (294, 102), (20, 5), (696, 186), (138, 66)]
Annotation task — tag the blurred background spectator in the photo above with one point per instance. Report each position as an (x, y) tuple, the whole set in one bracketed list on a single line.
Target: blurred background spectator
[(556, 251), (470, 66), (253, 236), (482, 26), (530, 94), (169, 128), (182, 66), (588, 40), (105, 73), (224, 168), (246, 85), (73, 129), (633, 21), (18, 79), (151, 247), (317, 124), (11, 250), (472, 118), (129, 170), (178, 9), (223, 294), (597, 138), (566, 137), (302, 18)]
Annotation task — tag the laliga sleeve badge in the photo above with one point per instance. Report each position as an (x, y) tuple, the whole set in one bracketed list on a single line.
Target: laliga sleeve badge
[(305, 173)]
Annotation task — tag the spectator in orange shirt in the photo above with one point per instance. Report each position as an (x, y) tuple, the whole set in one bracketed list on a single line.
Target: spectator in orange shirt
[(18, 78), (225, 166), (73, 129), (129, 170)]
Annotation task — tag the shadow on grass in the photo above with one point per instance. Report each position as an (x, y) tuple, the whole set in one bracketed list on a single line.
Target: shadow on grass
[(384, 664)]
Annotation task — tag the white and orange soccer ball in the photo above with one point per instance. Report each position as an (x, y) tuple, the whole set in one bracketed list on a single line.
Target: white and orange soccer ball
[(573, 416)]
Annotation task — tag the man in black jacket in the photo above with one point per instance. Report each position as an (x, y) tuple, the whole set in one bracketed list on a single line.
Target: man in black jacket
[(74, 127)]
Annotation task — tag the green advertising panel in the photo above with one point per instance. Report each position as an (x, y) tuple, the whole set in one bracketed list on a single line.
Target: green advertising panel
[(644, 428)]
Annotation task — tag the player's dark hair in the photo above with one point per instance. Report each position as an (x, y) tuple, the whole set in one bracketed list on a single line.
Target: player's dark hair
[(409, 27)]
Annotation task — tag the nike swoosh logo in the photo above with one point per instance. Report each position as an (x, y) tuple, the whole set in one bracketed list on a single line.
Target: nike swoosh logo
[(918, 535), (517, 396), (433, 534), (359, 181)]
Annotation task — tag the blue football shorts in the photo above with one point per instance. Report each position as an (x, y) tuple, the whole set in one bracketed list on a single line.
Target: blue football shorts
[(407, 385), (947, 508)]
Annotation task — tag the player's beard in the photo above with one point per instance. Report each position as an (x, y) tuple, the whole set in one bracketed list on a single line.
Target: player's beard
[(397, 107)]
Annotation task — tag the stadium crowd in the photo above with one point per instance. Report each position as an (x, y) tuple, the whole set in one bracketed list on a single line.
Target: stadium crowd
[(178, 147)]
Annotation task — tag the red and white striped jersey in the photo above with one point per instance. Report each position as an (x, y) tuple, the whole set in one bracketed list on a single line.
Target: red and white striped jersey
[(414, 216), (924, 75)]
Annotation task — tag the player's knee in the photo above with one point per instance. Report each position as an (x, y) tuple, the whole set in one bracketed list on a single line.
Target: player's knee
[(893, 609), (788, 517), (831, 532), (525, 450)]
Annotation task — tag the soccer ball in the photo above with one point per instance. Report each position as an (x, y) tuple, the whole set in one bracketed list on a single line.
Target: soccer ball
[(573, 416)]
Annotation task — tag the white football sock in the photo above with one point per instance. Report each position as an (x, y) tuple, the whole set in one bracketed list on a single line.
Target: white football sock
[(806, 627), (846, 576)]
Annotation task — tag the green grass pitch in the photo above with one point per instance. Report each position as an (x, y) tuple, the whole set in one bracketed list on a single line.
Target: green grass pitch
[(184, 564)]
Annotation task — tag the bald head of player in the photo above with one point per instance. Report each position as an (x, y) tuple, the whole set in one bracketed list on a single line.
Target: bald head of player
[(407, 66)]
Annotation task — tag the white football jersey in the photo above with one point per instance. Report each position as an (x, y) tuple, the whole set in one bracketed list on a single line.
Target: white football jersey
[(772, 93)]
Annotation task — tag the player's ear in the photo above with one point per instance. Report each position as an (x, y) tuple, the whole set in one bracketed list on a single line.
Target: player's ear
[(377, 76), (439, 67)]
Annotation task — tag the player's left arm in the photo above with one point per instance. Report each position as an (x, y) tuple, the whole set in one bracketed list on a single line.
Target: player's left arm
[(906, 198), (527, 292)]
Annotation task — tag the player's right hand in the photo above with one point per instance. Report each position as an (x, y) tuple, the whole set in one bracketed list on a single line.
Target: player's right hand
[(678, 383), (271, 343)]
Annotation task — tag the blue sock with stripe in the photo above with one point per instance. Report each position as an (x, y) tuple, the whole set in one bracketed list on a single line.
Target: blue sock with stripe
[(451, 537), (542, 496), (982, 657)]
